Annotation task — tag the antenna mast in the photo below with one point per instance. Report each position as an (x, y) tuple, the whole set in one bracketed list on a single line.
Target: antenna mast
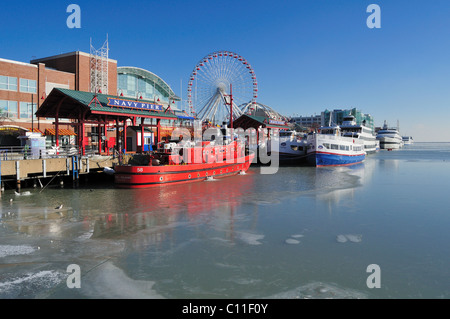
[(99, 68)]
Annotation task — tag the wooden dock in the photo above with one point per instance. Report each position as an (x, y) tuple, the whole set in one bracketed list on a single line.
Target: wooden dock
[(14, 172)]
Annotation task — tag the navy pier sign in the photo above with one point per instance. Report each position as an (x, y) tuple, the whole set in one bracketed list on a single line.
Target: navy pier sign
[(134, 104)]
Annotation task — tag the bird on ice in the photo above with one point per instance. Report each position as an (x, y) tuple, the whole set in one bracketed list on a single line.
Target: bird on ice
[(59, 207)]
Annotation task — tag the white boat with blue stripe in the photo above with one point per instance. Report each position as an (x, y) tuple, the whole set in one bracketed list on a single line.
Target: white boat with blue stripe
[(329, 148)]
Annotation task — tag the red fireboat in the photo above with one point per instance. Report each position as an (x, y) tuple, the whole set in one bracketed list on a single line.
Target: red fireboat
[(174, 163), (180, 161)]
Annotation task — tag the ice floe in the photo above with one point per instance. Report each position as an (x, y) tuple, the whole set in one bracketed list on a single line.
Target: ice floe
[(11, 250), (251, 239), (354, 238), (320, 290), (110, 282), (30, 284), (293, 240), (26, 193)]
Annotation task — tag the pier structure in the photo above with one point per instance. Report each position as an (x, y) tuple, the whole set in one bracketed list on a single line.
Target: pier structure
[(108, 113), (16, 173), (130, 119)]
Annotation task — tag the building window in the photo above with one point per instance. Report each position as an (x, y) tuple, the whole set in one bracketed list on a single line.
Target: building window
[(28, 86), (27, 109), (8, 109), (8, 83)]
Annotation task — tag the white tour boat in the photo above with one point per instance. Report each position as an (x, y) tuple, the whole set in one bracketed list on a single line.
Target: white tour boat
[(390, 138), (329, 148), (349, 128)]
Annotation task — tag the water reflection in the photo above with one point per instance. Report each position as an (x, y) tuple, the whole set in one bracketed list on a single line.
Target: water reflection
[(337, 185), (158, 211), (117, 213)]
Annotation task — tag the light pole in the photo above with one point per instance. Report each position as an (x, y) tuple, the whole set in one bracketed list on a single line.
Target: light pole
[(230, 104)]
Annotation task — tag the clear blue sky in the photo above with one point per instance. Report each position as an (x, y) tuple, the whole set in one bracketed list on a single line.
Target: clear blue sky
[(308, 55)]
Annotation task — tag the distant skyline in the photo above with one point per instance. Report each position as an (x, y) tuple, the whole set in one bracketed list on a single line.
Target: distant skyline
[(308, 55)]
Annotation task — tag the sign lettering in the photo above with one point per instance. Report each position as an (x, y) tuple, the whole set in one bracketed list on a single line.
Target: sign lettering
[(134, 104)]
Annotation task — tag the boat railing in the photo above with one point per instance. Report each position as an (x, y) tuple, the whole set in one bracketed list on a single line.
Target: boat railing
[(329, 137), (340, 138)]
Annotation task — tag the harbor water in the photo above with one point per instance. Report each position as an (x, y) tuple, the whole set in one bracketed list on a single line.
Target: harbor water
[(303, 232)]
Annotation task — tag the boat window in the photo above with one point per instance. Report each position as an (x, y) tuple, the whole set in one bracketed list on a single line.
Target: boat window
[(326, 145), (342, 147), (334, 146)]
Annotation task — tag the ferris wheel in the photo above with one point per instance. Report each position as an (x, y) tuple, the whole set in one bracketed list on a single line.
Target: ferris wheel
[(215, 79)]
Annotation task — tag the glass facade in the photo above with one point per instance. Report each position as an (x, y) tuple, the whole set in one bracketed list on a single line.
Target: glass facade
[(28, 86), (135, 83), (8, 109), (26, 110), (133, 86), (337, 117), (8, 83)]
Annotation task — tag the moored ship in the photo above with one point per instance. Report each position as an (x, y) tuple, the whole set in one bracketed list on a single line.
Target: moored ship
[(350, 128), (329, 148), (292, 147), (174, 163), (407, 140), (390, 138)]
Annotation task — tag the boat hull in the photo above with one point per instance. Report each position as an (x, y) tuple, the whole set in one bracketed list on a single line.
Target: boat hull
[(320, 159), (129, 176), (390, 143), (334, 150)]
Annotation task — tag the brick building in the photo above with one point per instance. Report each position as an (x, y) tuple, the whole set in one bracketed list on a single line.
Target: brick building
[(24, 87)]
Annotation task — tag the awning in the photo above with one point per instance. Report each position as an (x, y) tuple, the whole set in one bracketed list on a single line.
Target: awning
[(52, 131), (35, 130)]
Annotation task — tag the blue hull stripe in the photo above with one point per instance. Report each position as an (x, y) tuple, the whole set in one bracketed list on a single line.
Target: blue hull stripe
[(326, 159)]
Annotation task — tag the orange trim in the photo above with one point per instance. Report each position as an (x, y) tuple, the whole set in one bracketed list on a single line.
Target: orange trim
[(52, 131)]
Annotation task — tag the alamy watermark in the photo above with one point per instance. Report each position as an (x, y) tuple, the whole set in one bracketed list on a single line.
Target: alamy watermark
[(74, 19), (374, 279), (216, 146), (374, 20), (74, 278)]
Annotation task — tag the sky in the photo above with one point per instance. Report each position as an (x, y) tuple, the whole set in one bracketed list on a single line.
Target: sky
[(308, 55)]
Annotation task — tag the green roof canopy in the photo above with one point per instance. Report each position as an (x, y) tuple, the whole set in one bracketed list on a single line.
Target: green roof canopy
[(87, 105)]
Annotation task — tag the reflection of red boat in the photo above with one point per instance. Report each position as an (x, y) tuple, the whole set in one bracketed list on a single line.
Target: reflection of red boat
[(174, 164)]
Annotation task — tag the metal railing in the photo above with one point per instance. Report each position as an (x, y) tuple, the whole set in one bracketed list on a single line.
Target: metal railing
[(15, 153)]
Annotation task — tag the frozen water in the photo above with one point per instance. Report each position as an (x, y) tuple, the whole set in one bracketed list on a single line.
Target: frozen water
[(30, 284), (320, 290), (354, 238), (11, 250), (341, 239), (110, 282), (251, 239), (349, 237)]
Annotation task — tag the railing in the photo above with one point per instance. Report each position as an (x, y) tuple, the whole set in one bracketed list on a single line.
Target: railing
[(14, 153)]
